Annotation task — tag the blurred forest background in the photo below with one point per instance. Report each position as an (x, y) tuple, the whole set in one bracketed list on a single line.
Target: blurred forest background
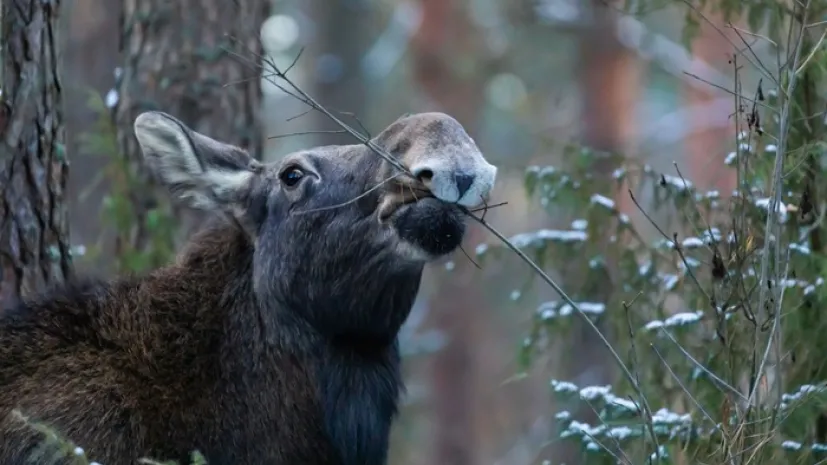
[(527, 78)]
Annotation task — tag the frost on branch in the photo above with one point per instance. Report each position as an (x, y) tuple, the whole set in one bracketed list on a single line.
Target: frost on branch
[(678, 319), (679, 300), (619, 420)]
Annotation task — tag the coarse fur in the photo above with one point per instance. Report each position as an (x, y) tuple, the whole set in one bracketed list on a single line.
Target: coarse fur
[(272, 338)]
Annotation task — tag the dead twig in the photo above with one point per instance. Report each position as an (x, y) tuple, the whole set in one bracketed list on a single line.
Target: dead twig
[(296, 92)]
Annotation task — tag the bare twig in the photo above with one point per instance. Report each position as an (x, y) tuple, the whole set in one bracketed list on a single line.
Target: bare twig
[(299, 94), (700, 366), (343, 204), (302, 96), (772, 227), (718, 29), (683, 388), (304, 133), (542, 274)]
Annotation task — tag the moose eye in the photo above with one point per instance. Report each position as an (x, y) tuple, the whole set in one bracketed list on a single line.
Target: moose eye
[(291, 176)]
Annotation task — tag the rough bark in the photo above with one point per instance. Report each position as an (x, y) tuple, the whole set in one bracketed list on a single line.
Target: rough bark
[(195, 59), (34, 243)]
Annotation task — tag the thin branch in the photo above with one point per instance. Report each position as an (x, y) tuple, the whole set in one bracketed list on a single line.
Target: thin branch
[(305, 133), (772, 223), (731, 92), (698, 364), (685, 390), (305, 98), (718, 29), (542, 274), (355, 199), (812, 52)]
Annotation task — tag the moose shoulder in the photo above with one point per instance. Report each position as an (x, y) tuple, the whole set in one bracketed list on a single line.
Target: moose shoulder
[(272, 338)]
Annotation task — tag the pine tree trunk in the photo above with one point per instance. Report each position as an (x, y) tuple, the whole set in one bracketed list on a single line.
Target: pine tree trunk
[(199, 61), (34, 244), (456, 306)]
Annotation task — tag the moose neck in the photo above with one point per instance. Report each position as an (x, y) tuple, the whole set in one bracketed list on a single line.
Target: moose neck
[(359, 375), (368, 315), (357, 362), (349, 342), (355, 299), (358, 380)]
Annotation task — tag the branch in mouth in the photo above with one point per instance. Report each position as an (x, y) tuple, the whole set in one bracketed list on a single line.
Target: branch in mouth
[(394, 201)]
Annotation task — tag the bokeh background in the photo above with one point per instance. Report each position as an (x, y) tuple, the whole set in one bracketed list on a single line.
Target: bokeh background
[(524, 77)]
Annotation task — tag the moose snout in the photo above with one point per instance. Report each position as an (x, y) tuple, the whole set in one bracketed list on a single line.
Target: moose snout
[(464, 182), (463, 179)]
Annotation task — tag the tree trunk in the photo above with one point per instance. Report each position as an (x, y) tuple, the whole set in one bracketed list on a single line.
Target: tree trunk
[(198, 60), (609, 77), (34, 236), (457, 307), (90, 55), (343, 37), (704, 147)]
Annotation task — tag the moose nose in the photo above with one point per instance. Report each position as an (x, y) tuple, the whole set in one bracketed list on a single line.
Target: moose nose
[(467, 185), (464, 182)]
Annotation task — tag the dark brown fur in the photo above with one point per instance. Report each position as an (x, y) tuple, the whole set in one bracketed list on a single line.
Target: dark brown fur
[(270, 340)]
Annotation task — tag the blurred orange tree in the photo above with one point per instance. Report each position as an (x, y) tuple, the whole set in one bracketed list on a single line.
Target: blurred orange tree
[(717, 332)]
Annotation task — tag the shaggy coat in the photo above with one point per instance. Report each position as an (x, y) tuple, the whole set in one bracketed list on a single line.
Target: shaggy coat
[(272, 339)]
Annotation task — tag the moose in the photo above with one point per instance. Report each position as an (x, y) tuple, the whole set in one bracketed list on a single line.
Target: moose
[(272, 337)]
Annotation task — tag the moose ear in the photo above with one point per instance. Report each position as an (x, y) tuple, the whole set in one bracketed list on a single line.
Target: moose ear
[(207, 174)]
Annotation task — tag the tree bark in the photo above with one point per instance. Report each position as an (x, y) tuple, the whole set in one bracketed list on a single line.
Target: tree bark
[(198, 60), (34, 236), (446, 33)]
